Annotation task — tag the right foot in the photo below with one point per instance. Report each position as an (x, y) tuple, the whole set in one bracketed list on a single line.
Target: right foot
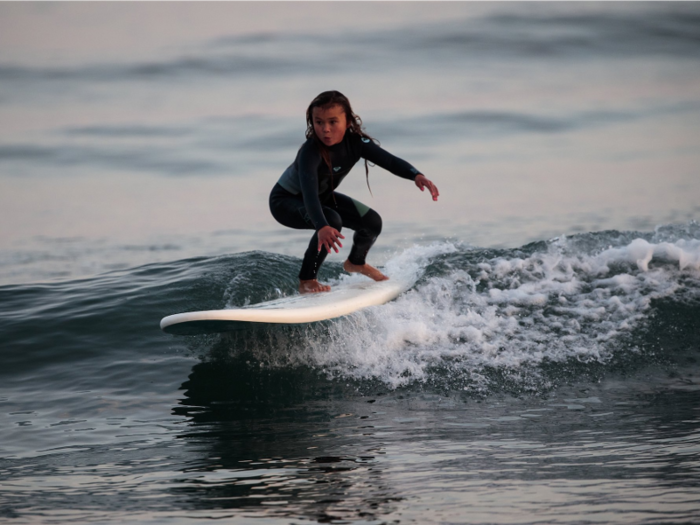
[(365, 269), (313, 286)]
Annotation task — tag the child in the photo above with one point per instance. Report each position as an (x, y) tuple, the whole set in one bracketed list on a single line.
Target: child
[(305, 197)]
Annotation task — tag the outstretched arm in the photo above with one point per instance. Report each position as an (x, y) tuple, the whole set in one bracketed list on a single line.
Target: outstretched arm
[(397, 166), (423, 182)]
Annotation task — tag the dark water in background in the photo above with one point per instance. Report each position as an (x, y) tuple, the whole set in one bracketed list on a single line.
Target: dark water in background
[(543, 369)]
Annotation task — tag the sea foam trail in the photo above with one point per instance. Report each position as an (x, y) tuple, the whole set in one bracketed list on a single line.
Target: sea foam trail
[(475, 312)]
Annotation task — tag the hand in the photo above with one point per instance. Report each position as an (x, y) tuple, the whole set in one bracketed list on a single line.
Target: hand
[(328, 238), (422, 182)]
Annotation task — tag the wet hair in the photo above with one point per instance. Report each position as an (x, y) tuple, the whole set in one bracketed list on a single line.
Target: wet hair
[(326, 100)]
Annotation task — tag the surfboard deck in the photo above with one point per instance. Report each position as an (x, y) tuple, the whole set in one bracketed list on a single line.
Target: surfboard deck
[(343, 299)]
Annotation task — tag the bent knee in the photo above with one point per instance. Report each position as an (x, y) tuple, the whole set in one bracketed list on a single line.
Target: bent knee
[(334, 221), (373, 222)]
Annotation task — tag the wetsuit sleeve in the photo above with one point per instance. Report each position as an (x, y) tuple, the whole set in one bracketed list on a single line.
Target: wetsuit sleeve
[(376, 155), (309, 162)]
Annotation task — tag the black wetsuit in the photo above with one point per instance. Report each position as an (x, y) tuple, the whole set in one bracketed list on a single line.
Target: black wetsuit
[(305, 196)]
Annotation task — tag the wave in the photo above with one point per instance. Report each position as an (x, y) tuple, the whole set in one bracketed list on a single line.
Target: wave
[(477, 320), (220, 147), (207, 146), (629, 33), (660, 31), (145, 158), (485, 125)]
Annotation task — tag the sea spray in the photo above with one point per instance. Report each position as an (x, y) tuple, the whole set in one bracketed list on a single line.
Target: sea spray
[(477, 319)]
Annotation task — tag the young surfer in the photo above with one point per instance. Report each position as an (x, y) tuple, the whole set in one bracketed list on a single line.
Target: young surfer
[(305, 197)]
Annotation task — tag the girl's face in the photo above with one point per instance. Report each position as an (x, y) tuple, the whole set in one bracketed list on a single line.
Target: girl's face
[(330, 124)]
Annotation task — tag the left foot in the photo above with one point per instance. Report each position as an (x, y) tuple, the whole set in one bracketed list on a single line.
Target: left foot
[(365, 269)]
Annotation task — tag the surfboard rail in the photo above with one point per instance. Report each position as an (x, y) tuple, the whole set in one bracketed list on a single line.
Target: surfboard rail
[(342, 300)]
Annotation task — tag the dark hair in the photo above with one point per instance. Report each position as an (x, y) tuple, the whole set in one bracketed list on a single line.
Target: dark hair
[(326, 100)]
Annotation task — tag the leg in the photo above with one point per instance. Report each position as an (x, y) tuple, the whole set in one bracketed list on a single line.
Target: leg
[(367, 225), (289, 210), (313, 258)]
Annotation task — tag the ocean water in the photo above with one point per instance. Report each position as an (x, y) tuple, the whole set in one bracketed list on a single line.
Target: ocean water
[(544, 367)]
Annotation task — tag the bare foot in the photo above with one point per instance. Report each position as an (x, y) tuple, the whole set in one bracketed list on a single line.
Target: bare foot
[(313, 286), (365, 269)]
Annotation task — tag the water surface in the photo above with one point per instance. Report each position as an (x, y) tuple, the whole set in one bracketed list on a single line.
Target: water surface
[(543, 368)]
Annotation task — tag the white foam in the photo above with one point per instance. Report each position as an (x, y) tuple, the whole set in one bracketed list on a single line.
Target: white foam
[(684, 252), (504, 313)]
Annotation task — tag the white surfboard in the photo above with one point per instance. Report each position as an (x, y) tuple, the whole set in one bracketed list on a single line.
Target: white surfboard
[(343, 299)]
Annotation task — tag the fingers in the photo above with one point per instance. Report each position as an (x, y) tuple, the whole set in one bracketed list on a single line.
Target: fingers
[(433, 191), (329, 245), (329, 238), (422, 182), (332, 245)]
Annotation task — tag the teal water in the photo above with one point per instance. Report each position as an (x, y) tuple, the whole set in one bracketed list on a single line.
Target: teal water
[(559, 380), (543, 368)]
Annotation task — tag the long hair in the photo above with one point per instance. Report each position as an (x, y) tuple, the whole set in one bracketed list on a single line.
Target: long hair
[(326, 100)]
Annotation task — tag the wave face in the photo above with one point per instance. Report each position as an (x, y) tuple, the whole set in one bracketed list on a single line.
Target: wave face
[(487, 320), (477, 320)]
